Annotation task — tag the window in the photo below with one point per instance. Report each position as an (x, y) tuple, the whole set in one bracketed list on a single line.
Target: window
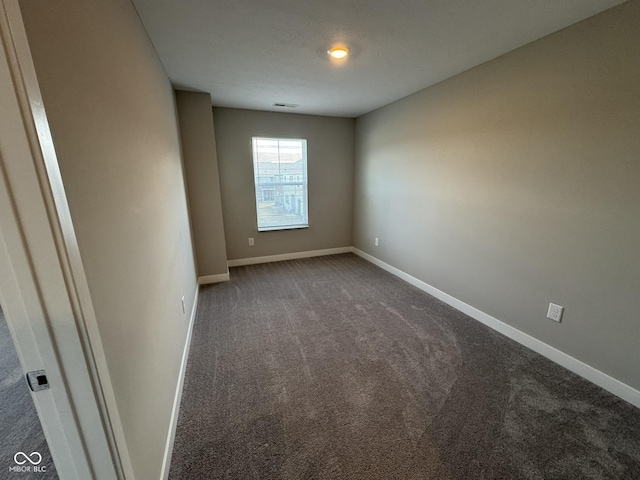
[(268, 195), (280, 173)]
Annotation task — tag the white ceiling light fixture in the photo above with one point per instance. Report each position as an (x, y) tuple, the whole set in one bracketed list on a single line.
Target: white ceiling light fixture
[(339, 52)]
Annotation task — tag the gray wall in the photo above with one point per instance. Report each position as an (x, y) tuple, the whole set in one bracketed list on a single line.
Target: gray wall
[(203, 184), (517, 183), (112, 114), (330, 143)]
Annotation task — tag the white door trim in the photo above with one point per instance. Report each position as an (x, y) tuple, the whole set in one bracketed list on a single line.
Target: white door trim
[(43, 288)]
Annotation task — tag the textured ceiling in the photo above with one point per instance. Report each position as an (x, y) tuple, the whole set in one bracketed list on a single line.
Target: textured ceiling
[(254, 53)]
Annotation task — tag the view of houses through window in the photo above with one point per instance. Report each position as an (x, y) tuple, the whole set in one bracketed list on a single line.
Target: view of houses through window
[(280, 172)]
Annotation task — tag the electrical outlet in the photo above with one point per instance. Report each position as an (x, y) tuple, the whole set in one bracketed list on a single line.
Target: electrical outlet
[(251, 241), (555, 312), (375, 241), (184, 307)]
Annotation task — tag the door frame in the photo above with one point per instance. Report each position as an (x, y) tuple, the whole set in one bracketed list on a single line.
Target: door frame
[(43, 289)]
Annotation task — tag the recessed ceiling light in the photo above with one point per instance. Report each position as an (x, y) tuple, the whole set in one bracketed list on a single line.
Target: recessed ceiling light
[(338, 52)]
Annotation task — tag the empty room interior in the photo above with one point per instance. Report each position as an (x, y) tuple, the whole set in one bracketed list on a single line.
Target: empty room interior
[(330, 240)]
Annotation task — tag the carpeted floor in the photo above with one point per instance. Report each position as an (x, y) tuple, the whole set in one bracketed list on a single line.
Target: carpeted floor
[(20, 429), (330, 368)]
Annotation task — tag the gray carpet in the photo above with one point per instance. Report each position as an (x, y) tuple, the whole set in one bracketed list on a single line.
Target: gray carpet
[(20, 429), (330, 368)]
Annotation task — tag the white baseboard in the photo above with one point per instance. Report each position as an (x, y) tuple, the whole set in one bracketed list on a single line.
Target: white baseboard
[(288, 256), (171, 435), (588, 372), (207, 279)]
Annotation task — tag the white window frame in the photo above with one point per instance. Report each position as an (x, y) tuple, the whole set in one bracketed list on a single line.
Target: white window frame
[(286, 179)]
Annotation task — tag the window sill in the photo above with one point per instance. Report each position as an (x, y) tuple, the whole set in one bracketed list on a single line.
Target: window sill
[(282, 227)]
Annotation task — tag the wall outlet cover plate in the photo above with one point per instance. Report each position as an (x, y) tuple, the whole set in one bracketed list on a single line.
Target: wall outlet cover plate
[(555, 312)]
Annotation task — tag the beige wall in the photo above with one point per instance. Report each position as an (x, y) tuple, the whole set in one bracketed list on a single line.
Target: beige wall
[(112, 115), (517, 183), (330, 169), (203, 184)]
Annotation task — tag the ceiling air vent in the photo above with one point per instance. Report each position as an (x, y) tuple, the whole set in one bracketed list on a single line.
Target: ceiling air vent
[(285, 105)]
